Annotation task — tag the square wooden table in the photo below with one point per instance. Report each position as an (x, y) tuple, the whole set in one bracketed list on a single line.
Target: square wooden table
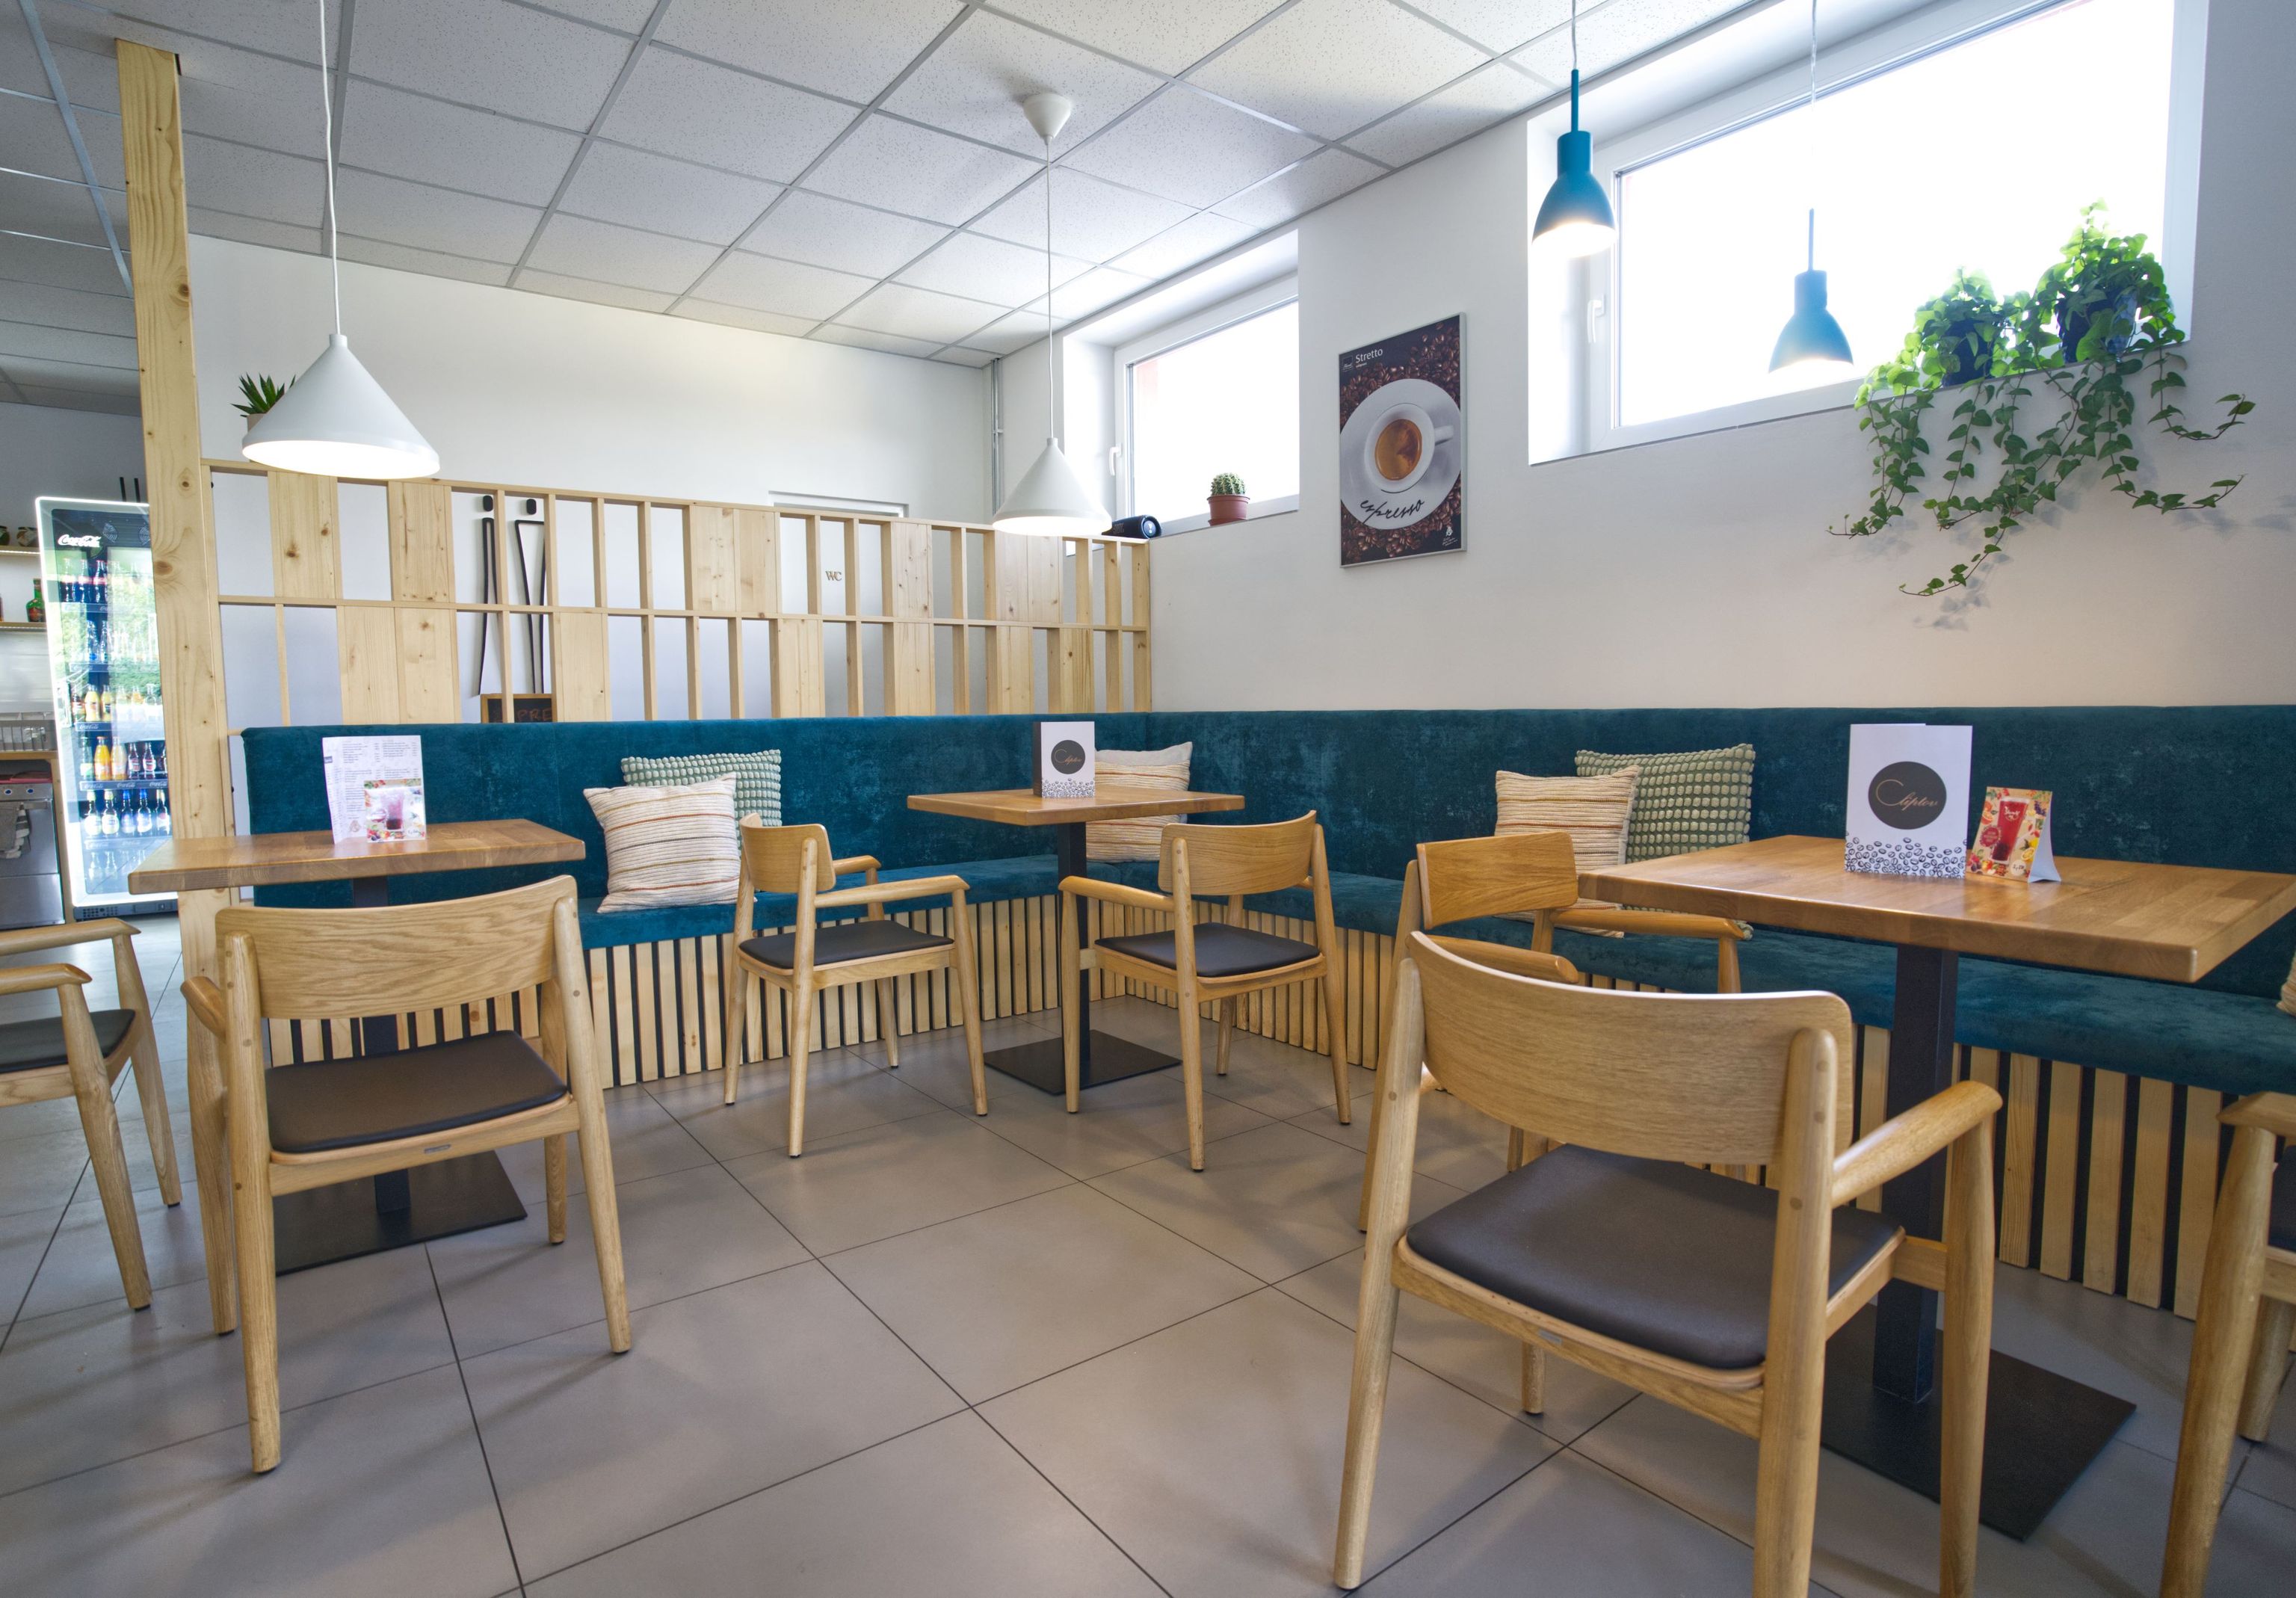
[(2173, 923), (1102, 1057), (367, 1215)]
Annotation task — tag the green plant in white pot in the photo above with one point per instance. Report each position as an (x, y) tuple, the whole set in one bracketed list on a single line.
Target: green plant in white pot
[(1228, 501)]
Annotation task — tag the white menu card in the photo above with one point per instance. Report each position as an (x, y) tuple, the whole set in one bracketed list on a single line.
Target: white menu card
[(1908, 804)]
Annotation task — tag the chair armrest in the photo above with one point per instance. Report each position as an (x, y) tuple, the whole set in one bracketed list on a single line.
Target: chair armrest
[(205, 1001), (1507, 957), (31, 978), (23, 941), (868, 864), (1116, 893), (1652, 923), (2273, 1112), (886, 893), (1903, 1141)]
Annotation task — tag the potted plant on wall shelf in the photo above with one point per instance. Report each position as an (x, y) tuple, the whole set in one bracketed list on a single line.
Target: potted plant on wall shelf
[(258, 393), (1228, 501)]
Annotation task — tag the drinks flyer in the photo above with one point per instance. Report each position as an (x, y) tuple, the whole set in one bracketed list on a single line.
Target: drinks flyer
[(374, 788), (2012, 837)]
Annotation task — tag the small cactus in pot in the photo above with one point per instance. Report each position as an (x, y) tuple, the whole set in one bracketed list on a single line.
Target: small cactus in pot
[(1228, 501)]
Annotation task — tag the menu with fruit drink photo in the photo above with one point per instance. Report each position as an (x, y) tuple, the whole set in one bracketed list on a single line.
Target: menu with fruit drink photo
[(2012, 837), (1402, 489), (374, 789)]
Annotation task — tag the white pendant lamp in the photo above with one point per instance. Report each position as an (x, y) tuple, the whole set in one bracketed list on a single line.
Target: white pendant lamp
[(335, 421), (1052, 500)]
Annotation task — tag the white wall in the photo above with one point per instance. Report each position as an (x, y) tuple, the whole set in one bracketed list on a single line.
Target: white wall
[(44, 451), (535, 391), (1697, 571)]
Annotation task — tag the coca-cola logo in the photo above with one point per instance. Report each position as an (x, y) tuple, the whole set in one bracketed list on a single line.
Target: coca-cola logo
[(1907, 795)]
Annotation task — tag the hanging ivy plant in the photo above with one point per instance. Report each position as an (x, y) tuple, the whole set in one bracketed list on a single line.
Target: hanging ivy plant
[(2097, 322)]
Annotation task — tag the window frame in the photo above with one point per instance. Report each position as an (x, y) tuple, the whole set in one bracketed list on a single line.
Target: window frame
[(1197, 325)]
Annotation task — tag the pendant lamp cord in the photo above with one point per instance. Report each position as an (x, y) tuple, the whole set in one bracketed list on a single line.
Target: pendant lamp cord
[(1051, 404), (1811, 141), (327, 136), (1574, 66)]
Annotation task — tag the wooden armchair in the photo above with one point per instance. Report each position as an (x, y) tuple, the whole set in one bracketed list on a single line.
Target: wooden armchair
[(874, 950), (78, 1056), (1712, 1294), (299, 1127), (1216, 960)]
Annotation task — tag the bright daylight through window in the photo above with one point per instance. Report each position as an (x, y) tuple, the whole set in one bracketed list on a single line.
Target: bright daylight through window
[(1226, 402), (1960, 157)]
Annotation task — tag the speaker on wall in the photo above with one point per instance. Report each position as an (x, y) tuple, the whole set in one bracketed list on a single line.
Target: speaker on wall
[(1136, 526)]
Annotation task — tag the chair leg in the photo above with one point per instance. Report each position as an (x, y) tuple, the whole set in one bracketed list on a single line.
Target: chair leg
[(889, 1023), (554, 1184), (800, 1045), (1336, 1034), (1071, 985), (2268, 1364), (100, 1123), (211, 1157), (1226, 1028), (968, 1007), (605, 1217), (1192, 1067), (258, 1295), (1785, 1500), (151, 1093), (1534, 1379), (737, 1047), (1371, 1163), (1967, 1349), (2230, 1286)]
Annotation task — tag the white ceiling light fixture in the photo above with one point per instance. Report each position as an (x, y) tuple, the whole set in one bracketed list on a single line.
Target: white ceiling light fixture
[(1052, 500), (335, 421)]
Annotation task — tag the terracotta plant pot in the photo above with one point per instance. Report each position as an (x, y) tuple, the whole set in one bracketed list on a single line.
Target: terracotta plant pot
[(1228, 507)]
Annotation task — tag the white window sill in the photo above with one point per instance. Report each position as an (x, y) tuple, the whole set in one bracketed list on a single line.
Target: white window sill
[(1253, 513)]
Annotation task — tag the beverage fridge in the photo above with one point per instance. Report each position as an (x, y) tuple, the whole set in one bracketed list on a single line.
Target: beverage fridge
[(103, 654)]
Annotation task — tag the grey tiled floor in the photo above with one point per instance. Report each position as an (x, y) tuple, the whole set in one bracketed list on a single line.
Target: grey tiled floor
[(1025, 1354)]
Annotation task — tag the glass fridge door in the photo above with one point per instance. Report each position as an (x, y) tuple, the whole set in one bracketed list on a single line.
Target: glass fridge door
[(103, 654)]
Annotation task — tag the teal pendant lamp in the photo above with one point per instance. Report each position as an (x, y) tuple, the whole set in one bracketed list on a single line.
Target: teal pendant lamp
[(1575, 219), (1811, 347)]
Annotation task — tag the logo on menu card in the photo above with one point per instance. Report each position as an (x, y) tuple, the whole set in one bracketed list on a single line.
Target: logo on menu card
[(1907, 795)]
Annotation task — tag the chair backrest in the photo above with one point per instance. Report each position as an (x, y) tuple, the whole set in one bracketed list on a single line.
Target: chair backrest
[(1511, 874), (1241, 860), (773, 858), (1690, 1077), (398, 958)]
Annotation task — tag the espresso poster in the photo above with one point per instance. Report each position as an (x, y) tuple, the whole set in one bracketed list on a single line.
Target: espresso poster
[(1401, 447)]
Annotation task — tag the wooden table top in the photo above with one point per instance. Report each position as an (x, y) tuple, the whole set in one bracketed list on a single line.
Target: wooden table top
[(269, 858), (1019, 808), (2171, 923)]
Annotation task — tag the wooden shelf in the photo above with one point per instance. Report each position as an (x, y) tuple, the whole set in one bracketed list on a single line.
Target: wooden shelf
[(23, 627), (9, 549)]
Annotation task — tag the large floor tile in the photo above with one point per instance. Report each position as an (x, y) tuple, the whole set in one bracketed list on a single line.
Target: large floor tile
[(40, 1172), (1211, 1451), (722, 1393), (382, 1492), (972, 1520), (2270, 1469), (646, 1141), (93, 1385), (935, 1063), (882, 1180), (845, 1090), (1466, 1353), (1120, 1124), (1274, 1078), (1457, 1145), (1001, 1298), (80, 1267), (681, 1233), (1275, 1200), (23, 1245)]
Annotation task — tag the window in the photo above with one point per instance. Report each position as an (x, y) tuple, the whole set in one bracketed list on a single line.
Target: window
[(1218, 393), (1963, 157)]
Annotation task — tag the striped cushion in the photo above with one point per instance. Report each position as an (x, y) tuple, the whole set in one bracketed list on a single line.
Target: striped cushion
[(1136, 769), (756, 777), (1593, 810), (667, 846)]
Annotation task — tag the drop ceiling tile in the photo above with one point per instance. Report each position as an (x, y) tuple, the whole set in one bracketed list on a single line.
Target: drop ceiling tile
[(919, 313), (850, 50), (1198, 238), (787, 288), (1092, 220), (248, 182), (736, 316), (1008, 333), (257, 230), (251, 100), (53, 207), (1169, 36), (423, 218), (73, 399), (917, 171), (834, 232), (407, 135), (1097, 290), (973, 81), (60, 266), (1616, 32), (430, 262), (89, 79), (1499, 26), (597, 293), (1450, 114), (49, 307), (961, 357), (1186, 147), (627, 15), (639, 189), (284, 26), (1330, 66), (861, 338), (1322, 176), (988, 269), (491, 53), (22, 341), (29, 372), (711, 114), (602, 252), (32, 132)]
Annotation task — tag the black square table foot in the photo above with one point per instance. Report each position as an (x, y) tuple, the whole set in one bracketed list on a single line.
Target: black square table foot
[(1107, 1058), (365, 1216), (2041, 1430)]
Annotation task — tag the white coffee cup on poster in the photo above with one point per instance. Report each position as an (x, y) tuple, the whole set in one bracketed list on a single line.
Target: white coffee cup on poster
[(1400, 445)]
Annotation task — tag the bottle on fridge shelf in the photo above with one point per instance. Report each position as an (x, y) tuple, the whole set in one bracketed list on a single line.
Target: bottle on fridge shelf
[(166, 819), (87, 763), (103, 759)]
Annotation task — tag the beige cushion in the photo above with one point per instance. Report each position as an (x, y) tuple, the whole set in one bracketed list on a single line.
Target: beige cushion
[(1593, 810), (1136, 769), (2288, 992), (668, 846)]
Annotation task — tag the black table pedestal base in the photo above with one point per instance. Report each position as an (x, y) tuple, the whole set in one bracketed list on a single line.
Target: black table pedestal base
[(2041, 1430), (346, 1219), (1107, 1058)]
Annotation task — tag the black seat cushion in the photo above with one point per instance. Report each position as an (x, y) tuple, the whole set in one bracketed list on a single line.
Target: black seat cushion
[(29, 1045), (2279, 1231), (845, 940), (1660, 1255), (344, 1103), (1221, 950)]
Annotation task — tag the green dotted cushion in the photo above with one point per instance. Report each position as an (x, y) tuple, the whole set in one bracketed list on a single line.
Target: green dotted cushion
[(756, 778), (1697, 800)]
